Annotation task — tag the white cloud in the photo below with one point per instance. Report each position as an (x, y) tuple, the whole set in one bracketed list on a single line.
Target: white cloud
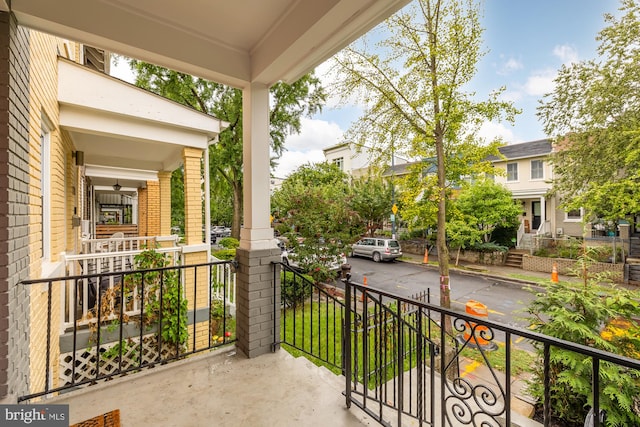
[(490, 130), (509, 66), (511, 96), (540, 82), (567, 54), (291, 160), (307, 146)]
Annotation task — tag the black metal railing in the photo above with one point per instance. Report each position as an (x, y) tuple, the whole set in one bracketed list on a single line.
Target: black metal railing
[(312, 318), (403, 364), (138, 319)]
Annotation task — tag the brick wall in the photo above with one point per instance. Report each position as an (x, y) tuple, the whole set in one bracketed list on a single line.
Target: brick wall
[(142, 212), (43, 112), (255, 301), (486, 258), (153, 208), (567, 266), (14, 202)]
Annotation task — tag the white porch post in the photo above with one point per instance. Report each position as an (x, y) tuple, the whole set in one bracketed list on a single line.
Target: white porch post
[(258, 322), (543, 212), (257, 232)]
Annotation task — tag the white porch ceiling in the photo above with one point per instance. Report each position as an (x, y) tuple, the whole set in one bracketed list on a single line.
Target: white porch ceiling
[(231, 42)]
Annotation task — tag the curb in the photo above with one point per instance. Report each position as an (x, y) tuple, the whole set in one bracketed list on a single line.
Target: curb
[(475, 273)]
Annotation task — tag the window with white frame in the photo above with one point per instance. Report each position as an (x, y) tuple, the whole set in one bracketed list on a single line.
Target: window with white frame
[(512, 171), (339, 162), (537, 169), (45, 191), (574, 215)]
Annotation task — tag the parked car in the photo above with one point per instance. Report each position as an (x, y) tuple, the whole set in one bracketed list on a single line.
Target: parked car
[(219, 231), (377, 248)]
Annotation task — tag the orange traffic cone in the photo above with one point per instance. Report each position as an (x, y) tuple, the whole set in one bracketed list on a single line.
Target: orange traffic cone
[(554, 273), (425, 260), (364, 283)]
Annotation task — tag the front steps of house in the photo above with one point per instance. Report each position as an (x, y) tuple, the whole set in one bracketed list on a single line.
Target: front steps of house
[(514, 258), (632, 268)]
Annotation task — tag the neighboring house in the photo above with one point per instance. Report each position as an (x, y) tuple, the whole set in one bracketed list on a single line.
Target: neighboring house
[(94, 158), (527, 173), (348, 160), (353, 162)]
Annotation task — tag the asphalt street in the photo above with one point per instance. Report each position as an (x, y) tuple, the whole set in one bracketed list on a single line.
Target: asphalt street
[(504, 300)]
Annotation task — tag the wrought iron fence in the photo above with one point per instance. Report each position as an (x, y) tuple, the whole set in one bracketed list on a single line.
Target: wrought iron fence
[(174, 320), (401, 355), (399, 368), (312, 318)]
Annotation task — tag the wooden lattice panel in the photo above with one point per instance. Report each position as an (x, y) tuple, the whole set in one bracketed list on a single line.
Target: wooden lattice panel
[(86, 359)]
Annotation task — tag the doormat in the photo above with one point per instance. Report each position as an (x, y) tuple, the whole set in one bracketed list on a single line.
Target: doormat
[(110, 419)]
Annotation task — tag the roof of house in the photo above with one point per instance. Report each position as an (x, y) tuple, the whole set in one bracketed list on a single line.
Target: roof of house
[(403, 168), (537, 148)]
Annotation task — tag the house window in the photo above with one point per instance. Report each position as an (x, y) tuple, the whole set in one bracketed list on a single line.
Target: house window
[(45, 192), (339, 162), (512, 171), (537, 169), (574, 215)]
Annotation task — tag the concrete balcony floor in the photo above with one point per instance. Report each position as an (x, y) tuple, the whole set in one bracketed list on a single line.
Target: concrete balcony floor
[(221, 388)]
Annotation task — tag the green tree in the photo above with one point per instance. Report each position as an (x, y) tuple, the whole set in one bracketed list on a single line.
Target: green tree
[(486, 206), (594, 116), (177, 198), (313, 204), (462, 231), (288, 104), (419, 199), (372, 200), (591, 315), (413, 87)]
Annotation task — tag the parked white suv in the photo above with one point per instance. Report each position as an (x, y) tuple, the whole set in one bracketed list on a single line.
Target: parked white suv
[(377, 248)]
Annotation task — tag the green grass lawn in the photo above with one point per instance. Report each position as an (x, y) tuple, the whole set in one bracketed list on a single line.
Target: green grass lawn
[(325, 345)]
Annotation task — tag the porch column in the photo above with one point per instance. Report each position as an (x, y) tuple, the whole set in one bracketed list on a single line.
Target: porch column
[(196, 282), (255, 296), (153, 208), (192, 196), (543, 214), (165, 202)]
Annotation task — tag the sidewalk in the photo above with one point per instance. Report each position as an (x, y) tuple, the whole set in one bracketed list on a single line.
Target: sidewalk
[(512, 274)]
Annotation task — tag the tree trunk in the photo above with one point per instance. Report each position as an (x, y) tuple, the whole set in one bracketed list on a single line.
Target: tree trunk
[(237, 210)]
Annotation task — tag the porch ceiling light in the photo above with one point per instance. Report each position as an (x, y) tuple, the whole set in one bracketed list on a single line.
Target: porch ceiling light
[(117, 186)]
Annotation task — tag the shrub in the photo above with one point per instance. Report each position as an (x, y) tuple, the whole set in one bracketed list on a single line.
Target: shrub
[(296, 288), (489, 247), (229, 243), (578, 315), (225, 254), (504, 235), (543, 252), (165, 300)]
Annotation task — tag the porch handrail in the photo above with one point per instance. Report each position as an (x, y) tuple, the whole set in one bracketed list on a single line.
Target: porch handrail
[(473, 333), (122, 244), (92, 265), (109, 351), (223, 285)]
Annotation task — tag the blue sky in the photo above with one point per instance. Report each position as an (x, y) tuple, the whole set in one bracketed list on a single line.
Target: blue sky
[(527, 42)]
